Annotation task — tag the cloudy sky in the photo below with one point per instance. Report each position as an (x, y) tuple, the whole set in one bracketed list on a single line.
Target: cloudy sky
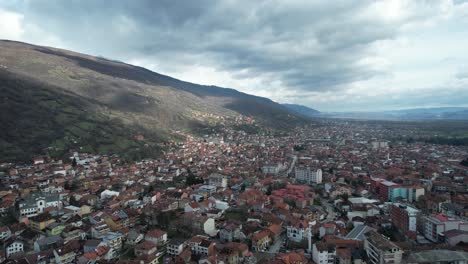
[(330, 55)]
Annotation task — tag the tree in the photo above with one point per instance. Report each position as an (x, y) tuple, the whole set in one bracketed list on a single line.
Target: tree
[(192, 180), (464, 162), (345, 197), (317, 201)]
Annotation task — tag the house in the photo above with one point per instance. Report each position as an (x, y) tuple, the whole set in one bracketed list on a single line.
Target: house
[(6, 206), (99, 230), (5, 233), (200, 223), (49, 242), (55, 229), (298, 231), (454, 237), (201, 245), (40, 222), (185, 256), (74, 234), (148, 259), (134, 237), (35, 203), (192, 207), (67, 253), (327, 229), (323, 252), (261, 240), (114, 241), (145, 248), (157, 236), (275, 231), (231, 231), (13, 247), (175, 247)]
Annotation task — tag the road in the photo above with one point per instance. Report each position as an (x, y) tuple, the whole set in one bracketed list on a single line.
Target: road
[(330, 211), (277, 245)]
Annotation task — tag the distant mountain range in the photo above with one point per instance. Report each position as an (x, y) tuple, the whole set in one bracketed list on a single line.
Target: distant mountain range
[(53, 100), (438, 113), (303, 110)]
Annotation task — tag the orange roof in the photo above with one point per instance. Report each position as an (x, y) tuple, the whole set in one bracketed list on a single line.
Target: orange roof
[(275, 229), (156, 233)]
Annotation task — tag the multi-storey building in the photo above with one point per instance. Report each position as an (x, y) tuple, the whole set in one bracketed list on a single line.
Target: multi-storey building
[(405, 218), (435, 225), (298, 231), (381, 250), (390, 191), (323, 253), (308, 175), (218, 180)]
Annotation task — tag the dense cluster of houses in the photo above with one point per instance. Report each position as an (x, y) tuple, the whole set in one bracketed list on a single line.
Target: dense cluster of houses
[(338, 193)]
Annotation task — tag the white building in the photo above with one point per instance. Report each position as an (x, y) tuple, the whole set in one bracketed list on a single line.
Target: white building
[(323, 253), (435, 225), (379, 144), (5, 233), (108, 194), (271, 169), (381, 250), (35, 203), (14, 247), (210, 189), (308, 175), (298, 231), (218, 180), (175, 247)]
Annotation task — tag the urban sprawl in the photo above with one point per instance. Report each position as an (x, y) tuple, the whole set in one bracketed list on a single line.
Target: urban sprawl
[(339, 192)]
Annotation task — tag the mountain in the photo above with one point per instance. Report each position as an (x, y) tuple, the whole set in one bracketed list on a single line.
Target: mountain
[(436, 113), (54, 99), (303, 110)]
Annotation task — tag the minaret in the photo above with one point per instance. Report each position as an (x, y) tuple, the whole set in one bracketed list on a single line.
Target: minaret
[(309, 236)]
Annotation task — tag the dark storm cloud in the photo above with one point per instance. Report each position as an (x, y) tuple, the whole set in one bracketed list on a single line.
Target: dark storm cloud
[(306, 45)]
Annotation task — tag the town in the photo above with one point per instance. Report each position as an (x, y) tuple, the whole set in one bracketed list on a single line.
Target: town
[(336, 192)]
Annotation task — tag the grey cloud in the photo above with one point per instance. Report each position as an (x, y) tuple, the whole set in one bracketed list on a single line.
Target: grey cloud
[(462, 74), (306, 45)]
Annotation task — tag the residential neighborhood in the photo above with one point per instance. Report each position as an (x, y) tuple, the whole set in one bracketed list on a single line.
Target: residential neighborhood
[(340, 193)]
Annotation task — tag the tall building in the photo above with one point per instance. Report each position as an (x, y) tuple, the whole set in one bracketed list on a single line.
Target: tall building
[(379, 144), (271, 168), (308, 175), (435, 225), (380, 250), (408, 193), (405, 218), (323, 253), (390, 191), (218, 180)]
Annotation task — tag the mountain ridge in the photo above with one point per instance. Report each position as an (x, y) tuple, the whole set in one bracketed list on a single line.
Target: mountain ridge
[(302, 109), (110, 93)]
